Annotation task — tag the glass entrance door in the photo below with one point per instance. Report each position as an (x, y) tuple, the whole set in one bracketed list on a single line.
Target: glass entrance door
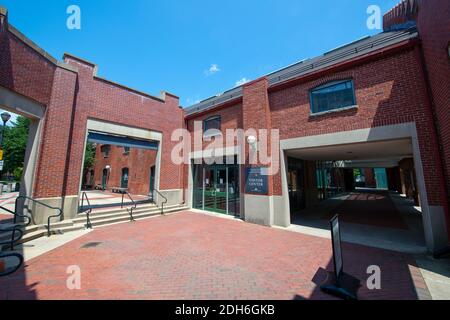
[(216, 188)]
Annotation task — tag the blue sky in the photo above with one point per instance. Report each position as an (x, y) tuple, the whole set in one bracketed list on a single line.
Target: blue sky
[(194, 49)]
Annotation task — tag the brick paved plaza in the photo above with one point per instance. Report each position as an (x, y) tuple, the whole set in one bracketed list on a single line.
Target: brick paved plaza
[(197, 256)]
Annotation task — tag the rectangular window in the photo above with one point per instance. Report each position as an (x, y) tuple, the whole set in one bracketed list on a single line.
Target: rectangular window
[(333, 95), (126, 150), (211, 123), (105, 150)]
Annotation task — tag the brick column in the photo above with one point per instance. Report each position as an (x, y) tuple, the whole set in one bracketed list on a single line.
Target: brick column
[(256, 115), (53, 155)]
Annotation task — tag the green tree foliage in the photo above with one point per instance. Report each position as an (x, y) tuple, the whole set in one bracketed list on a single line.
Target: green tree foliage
[(89, 156), (15, 139), (89, 160)]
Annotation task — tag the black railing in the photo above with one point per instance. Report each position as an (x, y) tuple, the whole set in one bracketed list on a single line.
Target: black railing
[(88, 211), (162, 203), (9, 271), (45, 205), (17, 215), (14, 228), (130, 210)]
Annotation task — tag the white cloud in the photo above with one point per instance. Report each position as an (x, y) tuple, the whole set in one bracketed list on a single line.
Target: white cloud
[(191, 101), (214, 68), (241, 81)]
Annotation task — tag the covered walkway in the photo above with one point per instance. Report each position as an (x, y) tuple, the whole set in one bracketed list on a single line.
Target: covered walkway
[(372, 217)]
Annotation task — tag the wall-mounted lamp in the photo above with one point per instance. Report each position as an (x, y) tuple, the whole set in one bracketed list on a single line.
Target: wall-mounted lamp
[(252, 142)]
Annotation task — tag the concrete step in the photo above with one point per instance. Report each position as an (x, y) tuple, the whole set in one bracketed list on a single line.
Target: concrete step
[(74, 227), (115, 218), (5, 236), (118, 209), (117, 213), (27, 237), (56, 225)]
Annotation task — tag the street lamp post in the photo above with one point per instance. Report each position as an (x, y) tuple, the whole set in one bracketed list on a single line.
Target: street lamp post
[(5, 118)]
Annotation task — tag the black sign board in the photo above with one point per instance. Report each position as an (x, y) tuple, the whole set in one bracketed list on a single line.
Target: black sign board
[(336, 242), (339, 283), (256, 180)]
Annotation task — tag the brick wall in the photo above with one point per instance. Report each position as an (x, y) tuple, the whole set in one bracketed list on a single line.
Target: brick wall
[(256, 115), (402, 13), (138, 162), (389, 90), (231, 118), (51, 179), (433, 23), (384, 98), (70, 99), (103, 100), (23, 70)]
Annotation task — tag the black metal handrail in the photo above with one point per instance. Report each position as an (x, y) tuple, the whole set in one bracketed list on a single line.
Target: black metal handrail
[(14, 228), (16, 215), (130, 210), (88, 211), (162, 203), (45, 205), (12, 270)]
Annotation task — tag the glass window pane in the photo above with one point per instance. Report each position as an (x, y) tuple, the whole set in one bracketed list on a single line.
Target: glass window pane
[(233, 190), (198, 187), (211, 123), (331, 97)]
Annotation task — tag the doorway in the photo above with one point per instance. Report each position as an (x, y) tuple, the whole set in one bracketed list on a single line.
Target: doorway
[(216, 188), (104, 178), (152, 179), (124, 180)]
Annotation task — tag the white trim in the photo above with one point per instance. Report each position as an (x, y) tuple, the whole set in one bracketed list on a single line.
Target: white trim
[(16, 103), (123, 130), (35, 112), (391, 132), (315, 114), (56, 198), (218, 152)]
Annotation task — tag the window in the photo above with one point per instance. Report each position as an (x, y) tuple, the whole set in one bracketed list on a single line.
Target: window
[(126, 150), (105, 150), (211, 123), (333, 95)]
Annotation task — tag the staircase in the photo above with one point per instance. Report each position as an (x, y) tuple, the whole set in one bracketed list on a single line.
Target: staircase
[(99, 217)]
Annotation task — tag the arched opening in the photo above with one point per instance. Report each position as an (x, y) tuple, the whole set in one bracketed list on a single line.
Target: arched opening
[(124, 179), (104, 179)]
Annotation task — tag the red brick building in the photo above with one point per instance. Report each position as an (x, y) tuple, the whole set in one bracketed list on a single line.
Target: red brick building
[(118, 167), (371, 103)]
